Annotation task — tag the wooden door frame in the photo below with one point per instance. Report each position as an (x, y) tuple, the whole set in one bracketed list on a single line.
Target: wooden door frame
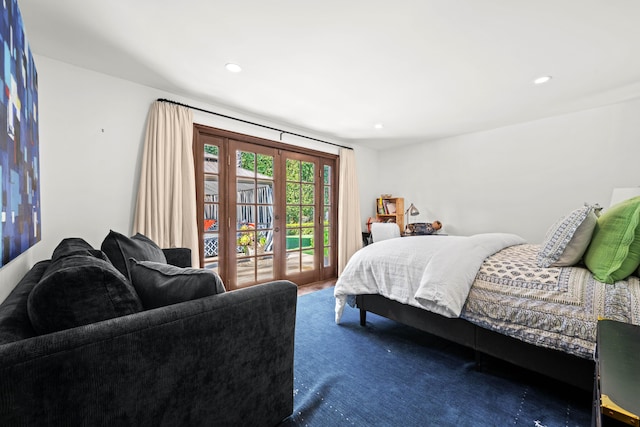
[(322, 273)]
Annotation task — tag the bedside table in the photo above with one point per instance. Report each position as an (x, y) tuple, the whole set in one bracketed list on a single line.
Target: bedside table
[(617, 380)]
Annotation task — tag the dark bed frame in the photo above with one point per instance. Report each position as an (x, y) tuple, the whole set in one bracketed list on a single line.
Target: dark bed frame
[(567, 368)]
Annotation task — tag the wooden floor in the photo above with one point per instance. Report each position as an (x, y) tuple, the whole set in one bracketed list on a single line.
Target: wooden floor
[(312, 287)]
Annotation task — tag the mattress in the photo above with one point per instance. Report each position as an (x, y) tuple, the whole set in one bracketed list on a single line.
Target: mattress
[(550, 307)]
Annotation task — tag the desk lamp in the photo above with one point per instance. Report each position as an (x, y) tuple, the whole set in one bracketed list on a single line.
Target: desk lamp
[(413, 211)]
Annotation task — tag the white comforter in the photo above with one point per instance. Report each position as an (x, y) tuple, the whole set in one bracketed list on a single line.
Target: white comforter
[(430, 272)]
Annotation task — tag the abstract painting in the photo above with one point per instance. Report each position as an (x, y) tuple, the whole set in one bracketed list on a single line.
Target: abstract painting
[(19, 149)]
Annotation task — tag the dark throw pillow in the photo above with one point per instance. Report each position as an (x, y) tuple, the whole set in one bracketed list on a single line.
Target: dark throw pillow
[(119, 248), (77, 290), (75, 246), (160, 284)]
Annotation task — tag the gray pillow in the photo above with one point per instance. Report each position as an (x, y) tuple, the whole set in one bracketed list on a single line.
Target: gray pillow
[(160, 284), (77, 290), (75, 246), (119, 248), (567, 240)]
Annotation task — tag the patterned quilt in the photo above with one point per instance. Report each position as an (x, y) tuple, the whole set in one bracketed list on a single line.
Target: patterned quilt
[(551, 307)]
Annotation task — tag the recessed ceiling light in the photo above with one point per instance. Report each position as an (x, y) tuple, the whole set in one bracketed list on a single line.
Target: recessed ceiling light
[(234, 68), (378, 126), (542, 79)]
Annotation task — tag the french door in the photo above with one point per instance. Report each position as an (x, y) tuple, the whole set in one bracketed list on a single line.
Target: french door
[(268, 212)]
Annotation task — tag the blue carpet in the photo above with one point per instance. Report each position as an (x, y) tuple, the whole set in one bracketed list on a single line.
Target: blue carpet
[(387, 374)]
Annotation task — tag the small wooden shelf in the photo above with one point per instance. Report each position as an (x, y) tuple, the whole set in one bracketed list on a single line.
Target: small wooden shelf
[(389, 204)]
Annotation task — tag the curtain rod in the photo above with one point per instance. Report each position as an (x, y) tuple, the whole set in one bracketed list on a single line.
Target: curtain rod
[(252, 123)]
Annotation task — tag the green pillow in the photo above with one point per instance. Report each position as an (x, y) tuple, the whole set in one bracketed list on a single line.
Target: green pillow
[(614, 252)]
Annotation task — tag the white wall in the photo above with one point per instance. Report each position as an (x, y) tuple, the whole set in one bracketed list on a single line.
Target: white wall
[(91, 136), (519, 178), (368, 182)]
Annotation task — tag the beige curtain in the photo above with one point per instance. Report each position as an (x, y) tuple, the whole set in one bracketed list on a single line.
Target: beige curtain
[(349, 228), (166, 204)]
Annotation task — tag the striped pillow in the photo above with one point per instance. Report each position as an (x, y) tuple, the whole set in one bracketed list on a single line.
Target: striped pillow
[(567, 240)]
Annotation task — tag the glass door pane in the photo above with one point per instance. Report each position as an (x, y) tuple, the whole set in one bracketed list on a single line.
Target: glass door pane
[(301, 216), (326, 217), (211, 218), (254, 226)]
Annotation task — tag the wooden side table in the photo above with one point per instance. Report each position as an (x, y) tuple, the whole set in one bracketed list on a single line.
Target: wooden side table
[(617, 381)]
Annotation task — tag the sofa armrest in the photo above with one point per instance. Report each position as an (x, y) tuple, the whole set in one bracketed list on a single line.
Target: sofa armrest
[(221, 360), (180, 257)]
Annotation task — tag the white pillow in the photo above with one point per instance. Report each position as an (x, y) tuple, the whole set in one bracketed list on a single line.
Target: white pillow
[(567, 240)]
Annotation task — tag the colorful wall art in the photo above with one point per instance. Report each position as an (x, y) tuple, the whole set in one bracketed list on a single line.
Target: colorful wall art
[(19, 153)]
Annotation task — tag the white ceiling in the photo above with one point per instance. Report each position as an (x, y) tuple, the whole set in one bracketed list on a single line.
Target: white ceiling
[(424, 68)]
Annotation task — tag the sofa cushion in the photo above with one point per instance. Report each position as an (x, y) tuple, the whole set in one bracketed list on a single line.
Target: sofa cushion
[(119, 248), (180, 257), (77, 290), (160, 284), (75, 246), (14, 317)]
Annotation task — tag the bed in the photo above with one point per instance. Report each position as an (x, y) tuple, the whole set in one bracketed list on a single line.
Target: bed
[(490, 292)]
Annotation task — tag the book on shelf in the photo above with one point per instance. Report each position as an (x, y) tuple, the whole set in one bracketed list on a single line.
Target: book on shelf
[(386, 206), (391, 208)]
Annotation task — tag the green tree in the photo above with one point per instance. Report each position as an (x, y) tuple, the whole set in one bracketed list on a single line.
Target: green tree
[(211, 149), (300, 191), (261, 163)]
